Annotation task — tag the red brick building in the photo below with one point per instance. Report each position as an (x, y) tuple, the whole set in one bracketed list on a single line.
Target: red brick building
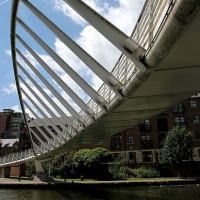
[(11, 124), (141, 144), (13, 136)]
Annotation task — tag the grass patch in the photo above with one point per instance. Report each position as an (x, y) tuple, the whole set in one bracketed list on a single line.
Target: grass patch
[(128, 179)]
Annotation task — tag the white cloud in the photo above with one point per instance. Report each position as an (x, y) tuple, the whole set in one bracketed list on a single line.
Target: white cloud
[(98, 47), (16, 108), (8, 52), (11, 89), (60, 5), (122, 15)]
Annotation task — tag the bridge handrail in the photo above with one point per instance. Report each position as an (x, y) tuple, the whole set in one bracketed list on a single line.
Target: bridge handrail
[(14, 157), (148, 23)]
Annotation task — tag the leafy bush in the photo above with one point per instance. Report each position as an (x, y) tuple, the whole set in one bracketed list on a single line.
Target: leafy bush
[(97, 156), (30, 169), (92, 163), (119, 170), (145, 173), (62, 165)]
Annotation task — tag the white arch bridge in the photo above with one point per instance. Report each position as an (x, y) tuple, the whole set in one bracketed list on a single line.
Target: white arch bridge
[(159, 66)]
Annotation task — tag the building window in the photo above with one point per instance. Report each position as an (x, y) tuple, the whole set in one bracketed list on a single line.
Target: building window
[(198, 135), (193, 103), (130, 139), (145, 126), (179, 121), (131, 155), (161, 139), (178, 108), (115, 144), (100, 141), (195, 118), (146, 141), (162, 124), (147, 156)]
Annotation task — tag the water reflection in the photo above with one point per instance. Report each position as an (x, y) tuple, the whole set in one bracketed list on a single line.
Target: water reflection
[(127, 193)]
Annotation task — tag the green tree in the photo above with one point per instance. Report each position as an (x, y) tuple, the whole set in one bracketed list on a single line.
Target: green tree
[(79, 162), (79, 158), (96, 157), (62, 165), (92, 163), (177, 147)]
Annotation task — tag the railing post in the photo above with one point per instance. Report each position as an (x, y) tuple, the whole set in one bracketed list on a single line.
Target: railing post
[(150, 21)]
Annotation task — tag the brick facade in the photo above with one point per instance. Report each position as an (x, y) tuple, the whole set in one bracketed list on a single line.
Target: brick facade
[(141, 144)]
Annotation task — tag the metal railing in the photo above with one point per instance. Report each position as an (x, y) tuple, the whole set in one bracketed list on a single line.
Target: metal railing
[(148, 23), (151, 18)]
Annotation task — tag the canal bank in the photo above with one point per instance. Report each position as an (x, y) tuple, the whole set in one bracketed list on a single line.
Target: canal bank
[(14, 183)]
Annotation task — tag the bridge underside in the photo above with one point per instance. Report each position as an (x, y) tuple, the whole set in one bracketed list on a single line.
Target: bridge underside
[(173, 80)]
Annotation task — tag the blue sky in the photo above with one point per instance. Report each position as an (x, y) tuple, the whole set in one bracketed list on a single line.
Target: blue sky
[(122, 13)]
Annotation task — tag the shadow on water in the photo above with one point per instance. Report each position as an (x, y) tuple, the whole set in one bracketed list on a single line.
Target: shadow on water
[(122, 193), (136, 193)]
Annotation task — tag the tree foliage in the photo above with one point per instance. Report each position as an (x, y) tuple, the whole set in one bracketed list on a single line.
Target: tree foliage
[(62, 165), (30, 169), (177, 146), (79, 158), (119, 169), (92, 162), (97, 156)]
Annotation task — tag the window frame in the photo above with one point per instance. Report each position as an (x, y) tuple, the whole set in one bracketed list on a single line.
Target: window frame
[(195, 119), (150, 156), (130, 141), (193, 103), (100, 141), (179, 122), (178, 108)]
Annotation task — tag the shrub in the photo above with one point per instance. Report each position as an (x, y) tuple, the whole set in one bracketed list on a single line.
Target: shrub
[(96, 157), (119, 170), (92, 163), (30, 169), (145, 173), (62, 165)]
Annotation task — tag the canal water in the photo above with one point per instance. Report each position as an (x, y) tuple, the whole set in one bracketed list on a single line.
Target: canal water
[(123, 193)]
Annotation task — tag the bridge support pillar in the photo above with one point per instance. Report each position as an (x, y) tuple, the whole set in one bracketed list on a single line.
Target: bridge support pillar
[(40, 175), (5, 172)]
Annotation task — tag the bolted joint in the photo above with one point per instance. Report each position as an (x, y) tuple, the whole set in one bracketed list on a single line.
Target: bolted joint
[(134, 48), (114, 82), (101, 100)]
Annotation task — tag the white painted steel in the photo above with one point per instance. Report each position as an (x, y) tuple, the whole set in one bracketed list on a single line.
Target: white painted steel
[(96, 67), (125, 44), (82, 83), (64, 86), (49, 86), (147, 25)]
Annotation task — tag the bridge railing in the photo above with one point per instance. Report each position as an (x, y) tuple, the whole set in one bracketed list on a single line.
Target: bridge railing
[(40, 149), (11, 158), (148, 23)]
